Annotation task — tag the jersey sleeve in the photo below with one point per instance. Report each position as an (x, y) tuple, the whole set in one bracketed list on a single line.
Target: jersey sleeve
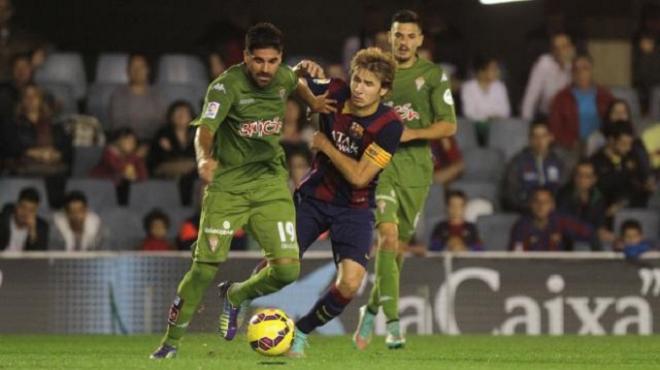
[(442, 103), (387, 141), (337, 89), (290, 80), (217, 103)]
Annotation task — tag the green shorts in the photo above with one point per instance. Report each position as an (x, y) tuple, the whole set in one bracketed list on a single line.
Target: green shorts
[(400, 205), (266, 212)]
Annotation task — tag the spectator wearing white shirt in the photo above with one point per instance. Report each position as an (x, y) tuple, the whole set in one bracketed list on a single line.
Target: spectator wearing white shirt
[(550, 73), (76, 227), (485, 97)]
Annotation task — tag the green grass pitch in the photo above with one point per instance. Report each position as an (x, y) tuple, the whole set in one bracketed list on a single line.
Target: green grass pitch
[(422, 352)]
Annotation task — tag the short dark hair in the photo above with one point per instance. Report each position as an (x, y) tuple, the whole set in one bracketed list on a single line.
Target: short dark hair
[(263, 36), (455, 193), (614, 130), (407, 16), (583, 55), (176, 105), (613, 104), (541, 189), (538, 123), (29, 194), (21, 56), (630, 224), (122, 132), (154, 215), (75, 196), (481, 62)]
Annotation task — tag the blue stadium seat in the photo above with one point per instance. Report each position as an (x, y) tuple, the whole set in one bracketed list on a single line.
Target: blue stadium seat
[(478, 189), (85, 158), (191, 93), (495, 229), (123, 229), (654, 104), (111, 68), (10, 187), (101, 193), (648, 218), (98, 102), (483, 164), (182, 69), (466, 135), (62, 93), (508, 135), (66, 68), (154, 194), (434, 211)]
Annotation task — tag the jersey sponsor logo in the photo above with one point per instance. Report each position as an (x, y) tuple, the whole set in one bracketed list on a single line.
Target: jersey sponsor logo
[(406, 112), (219, 87), (419, 83), (218, 231), (344, 143), (246, 101), (261, 128), (448, 98), (212, 110)]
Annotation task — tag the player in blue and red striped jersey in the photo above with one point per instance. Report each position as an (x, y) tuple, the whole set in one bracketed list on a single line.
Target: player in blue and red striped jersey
[(354, 144)]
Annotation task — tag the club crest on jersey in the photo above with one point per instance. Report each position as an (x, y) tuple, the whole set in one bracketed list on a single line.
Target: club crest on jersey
[(282, 93), (448, 98), (261, 128), (419, 83), (356, 131), (406, 112)]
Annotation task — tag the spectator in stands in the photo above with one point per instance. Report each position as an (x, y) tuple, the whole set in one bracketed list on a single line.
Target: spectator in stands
[(581, 199), (544, 229), (77, 228), (448, 161), (550, 73), (156, 224), (579, 109), (651, 139), (216, 65), (621, 177), (20, 227), (485, 97), (13, 40), (646, 67), (11, 91), (536, 165), (455, 234), (137, 105), (172, 152), (372, 24), (36, 145), (631, 240), (121, 163), (299, 162)]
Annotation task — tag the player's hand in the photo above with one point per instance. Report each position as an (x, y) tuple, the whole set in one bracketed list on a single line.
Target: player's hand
[(323, 104), (320, 141), (206, 167), (407, 135), (307, 67)]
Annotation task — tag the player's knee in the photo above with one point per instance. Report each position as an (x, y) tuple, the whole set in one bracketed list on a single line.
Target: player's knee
[(348, 287), (285, 274), (388, 236)]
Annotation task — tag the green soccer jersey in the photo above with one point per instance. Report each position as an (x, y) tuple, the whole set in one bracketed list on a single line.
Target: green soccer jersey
[(246, 121), (421, 96)]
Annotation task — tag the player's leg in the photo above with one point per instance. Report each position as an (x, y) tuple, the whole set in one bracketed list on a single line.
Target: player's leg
[(221, 214), (351, 234)]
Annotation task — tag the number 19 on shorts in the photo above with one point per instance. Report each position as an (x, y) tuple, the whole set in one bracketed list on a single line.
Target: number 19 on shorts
[(287, 232)]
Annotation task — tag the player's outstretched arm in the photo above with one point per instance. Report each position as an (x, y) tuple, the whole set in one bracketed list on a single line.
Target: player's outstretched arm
[(206, 165), (435, 131), (320, 103), (358, 173)]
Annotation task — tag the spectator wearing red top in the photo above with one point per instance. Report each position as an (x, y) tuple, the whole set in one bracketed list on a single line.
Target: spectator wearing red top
[(448, 162), (455, 234), (578, 109), (156, 224)]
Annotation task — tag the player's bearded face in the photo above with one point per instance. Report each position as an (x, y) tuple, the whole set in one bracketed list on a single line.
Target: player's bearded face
[(366, 88), (405, 39), (262, 64)]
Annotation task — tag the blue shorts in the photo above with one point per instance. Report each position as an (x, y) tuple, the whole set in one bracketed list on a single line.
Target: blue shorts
[(351, 229)]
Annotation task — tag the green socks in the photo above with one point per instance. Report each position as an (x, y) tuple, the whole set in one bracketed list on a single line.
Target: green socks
[(269, 280), (189, 295), (386, 288)]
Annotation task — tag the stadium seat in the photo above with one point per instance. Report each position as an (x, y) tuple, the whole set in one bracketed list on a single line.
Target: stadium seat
[(182, 69), (465, 134), (123, 229), (654, 104), (62, 93), (434, 211), (10, 187), (154, 194), (191, 93), (177, 216), (101, 193), (509, 135), (630, 96), (66, 68), (98, 102), (495, 229), (648, 218), (111, 68), (85, 158), (483, 164), (478, 189)]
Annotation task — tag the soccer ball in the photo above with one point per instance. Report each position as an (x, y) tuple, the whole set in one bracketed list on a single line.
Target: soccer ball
[(270, 332)]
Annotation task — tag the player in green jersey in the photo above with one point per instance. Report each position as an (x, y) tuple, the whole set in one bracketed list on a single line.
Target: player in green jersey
[(241, 160), (422, 97)]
